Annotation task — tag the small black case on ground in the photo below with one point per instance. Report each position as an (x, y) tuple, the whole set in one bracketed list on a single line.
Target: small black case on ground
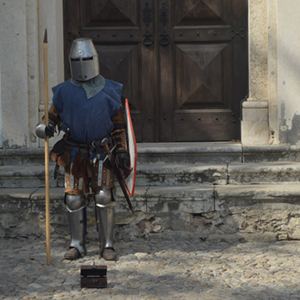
[(93, 276)]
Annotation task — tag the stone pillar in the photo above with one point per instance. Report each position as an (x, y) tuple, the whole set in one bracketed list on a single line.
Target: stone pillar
[(255, 125)]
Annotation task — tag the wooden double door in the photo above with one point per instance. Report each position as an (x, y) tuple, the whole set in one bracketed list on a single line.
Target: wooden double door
[(183, 63)]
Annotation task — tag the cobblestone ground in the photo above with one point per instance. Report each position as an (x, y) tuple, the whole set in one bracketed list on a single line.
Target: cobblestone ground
[(169, 266)]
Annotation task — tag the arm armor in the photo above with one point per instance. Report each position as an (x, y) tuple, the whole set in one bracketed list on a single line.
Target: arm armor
[(119, 132), (42, 131)]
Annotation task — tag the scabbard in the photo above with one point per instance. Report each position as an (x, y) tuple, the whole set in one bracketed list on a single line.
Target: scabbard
[(119, 177)]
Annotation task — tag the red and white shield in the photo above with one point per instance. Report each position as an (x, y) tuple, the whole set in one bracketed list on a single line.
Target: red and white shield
[(129, 178)]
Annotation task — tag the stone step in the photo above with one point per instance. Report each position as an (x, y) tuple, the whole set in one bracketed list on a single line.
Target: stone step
[(265, 211), (152, 175), (168, 174), (28, 176), (259, 173), (204, 152), (215, 153), (10, 157), (218, 174), (162, 174), (221, 152)]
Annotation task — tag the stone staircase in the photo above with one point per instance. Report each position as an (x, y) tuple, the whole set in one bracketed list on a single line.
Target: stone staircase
[(214, 190)]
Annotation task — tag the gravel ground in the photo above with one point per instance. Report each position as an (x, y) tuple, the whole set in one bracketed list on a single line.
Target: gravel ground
[(164, 266)]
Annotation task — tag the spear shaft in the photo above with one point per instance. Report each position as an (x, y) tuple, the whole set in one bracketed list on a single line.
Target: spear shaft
[(47, 181)]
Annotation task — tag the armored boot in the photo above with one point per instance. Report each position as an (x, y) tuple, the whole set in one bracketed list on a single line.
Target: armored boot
[(105, 212), (76, 206)]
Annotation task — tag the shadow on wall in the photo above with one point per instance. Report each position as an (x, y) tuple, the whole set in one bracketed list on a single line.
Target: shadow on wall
[(288, 63), (1, 137), (286, 135)]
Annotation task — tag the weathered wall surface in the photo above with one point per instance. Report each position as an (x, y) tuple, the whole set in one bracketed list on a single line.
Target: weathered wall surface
[(289, 71), (14, 82), (21, 42), (1, 138), (50, 17), (271, 114), (230, 213)]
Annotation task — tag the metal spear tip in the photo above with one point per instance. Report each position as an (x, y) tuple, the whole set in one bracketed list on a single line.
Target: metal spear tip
[(45, 37), (104, 142)]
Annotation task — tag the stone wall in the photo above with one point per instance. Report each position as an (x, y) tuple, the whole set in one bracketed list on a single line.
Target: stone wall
[(21, 39), (288, 71), (271, 114), (234, 213), (14, 81), (1, 137)]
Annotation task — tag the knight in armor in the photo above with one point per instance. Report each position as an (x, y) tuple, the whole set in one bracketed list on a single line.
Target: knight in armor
[(88, 109)]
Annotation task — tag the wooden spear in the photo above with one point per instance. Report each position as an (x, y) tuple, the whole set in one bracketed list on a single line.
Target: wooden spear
[(47, 183)]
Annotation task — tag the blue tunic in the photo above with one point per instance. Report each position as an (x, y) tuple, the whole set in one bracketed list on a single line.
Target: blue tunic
[(87, 119)]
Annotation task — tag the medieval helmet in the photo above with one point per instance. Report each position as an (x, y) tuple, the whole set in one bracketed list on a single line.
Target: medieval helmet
[(83, 60)]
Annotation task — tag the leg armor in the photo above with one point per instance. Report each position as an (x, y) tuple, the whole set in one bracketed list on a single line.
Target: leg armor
[(76, 206), (105, 202)]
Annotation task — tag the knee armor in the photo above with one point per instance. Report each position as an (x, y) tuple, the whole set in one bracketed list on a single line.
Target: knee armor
[(105, 198)]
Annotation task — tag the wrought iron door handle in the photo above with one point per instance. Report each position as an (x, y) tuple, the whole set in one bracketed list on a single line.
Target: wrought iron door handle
[(147, 41), (164, 38)]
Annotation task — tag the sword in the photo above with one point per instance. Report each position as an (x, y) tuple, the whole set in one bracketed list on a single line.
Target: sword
[(117, 171)]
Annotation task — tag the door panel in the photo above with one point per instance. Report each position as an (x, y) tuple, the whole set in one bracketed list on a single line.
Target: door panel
[(117, 29), (112, 13), (199, 13), (199, 59), (183, 63), (199, 76)]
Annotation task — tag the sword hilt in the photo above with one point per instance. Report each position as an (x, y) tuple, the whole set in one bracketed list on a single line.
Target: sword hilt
[(105, 146)]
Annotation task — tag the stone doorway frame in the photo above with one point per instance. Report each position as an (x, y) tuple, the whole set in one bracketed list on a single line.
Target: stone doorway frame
[(259, 124)]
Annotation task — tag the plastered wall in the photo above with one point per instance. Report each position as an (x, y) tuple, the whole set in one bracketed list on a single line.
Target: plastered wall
[(21, 42), (271, 114), (1, 138), (14, 82), (288, 58)]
